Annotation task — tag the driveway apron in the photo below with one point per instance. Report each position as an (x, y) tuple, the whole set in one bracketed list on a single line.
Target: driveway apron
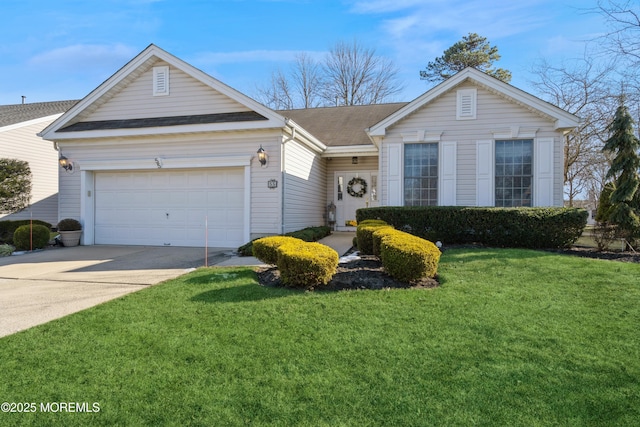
[(41, 286)]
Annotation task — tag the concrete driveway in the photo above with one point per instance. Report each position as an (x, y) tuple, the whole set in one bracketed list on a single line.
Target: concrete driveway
[(38, 287)]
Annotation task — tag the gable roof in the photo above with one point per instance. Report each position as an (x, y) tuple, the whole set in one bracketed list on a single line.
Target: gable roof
[(562, 119), (71, 124), (19, 113)]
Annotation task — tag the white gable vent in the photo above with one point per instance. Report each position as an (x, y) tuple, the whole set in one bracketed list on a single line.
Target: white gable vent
[(161, 81), (466, 104)]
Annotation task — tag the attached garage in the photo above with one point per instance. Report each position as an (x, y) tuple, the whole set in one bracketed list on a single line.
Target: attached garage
[(170, 207)]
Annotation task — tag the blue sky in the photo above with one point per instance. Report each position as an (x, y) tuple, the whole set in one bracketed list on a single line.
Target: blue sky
[(62, 49)]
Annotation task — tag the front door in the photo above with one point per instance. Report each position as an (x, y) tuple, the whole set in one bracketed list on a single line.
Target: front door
[(353, 190)]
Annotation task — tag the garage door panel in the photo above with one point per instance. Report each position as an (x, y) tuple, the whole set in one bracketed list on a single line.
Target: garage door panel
[(132, 207)]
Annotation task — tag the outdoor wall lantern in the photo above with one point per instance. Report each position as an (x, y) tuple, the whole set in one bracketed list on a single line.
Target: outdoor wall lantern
[(65, 163), (262, 156)]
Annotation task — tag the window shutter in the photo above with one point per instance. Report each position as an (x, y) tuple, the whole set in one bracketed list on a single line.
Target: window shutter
[(485, 160), (543, 172), (447, 178), (394, 175), (160, 81)]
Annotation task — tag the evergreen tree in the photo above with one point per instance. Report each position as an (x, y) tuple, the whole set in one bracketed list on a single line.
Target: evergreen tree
[(624, 146), (472, 51), (15, 185)]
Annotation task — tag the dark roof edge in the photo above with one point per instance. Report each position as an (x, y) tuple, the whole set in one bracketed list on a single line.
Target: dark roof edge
[(244, 116)]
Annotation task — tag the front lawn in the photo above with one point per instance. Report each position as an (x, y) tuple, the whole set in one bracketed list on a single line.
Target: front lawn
[(512, 337)]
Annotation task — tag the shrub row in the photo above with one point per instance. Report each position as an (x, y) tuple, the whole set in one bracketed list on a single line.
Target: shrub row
[(404, 256), (301, 264), (501, 227), (8, 227), (364, 234), (309, 234)]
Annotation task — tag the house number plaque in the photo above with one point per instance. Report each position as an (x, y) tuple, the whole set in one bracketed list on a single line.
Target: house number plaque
[(272, 183)]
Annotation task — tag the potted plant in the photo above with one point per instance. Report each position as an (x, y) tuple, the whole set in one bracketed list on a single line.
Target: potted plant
[(70, 230)]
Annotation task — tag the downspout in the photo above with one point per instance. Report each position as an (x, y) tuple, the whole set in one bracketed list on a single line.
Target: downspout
[(283, 171)]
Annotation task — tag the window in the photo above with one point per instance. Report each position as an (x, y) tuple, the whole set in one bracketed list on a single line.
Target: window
[(513, 172), (421, 174)]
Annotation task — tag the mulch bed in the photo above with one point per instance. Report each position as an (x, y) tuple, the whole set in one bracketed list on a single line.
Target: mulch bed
[(367, 272)]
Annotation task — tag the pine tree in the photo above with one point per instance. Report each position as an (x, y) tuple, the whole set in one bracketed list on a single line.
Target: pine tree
[(472, 51), (15, 185), (624, 146)]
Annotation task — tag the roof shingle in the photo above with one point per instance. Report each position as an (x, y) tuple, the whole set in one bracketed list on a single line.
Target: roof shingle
[(18, 113), (342, 126)]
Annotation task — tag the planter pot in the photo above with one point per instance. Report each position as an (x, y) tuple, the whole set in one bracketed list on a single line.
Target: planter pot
[(70, 238)]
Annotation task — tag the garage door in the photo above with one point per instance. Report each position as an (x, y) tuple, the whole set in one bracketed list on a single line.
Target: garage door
[(170, 207)]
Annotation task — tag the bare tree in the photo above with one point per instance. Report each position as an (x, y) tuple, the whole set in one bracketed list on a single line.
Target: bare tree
[(356, 76), (584, 89), (308, 80), (621, 41), (623, 18), (350, 75), (277, 94)]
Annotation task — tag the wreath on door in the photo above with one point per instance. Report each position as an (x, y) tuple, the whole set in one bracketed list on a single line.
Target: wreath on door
[(357, 181)]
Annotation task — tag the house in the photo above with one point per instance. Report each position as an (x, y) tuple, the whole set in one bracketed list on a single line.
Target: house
[(163, 154), (19, 125)]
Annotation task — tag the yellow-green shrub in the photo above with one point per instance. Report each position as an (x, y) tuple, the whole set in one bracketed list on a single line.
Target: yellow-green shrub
[(407, 257), (378, 235), (266, 248), (306, 264), (364, 234)]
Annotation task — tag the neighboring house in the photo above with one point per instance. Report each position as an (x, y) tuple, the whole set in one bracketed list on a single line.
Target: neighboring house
[(164, 154), (19, 125)]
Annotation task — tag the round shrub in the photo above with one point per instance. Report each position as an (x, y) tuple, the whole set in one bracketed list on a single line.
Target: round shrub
[(22, 238), (306, 265), (69, 224), (265, 249), (407, 257)]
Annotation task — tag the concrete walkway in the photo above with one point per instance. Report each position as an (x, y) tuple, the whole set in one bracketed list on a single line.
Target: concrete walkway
[(340, 241)]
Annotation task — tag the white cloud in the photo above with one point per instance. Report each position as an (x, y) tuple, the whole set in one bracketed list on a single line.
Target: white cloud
[(83, 57)]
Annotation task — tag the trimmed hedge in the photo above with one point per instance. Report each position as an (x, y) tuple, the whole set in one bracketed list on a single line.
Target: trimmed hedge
[(377, 237), (309, 234), (266, 248), (8, 227), (306, 264), (407, 257), (23, 238), (364, 234), (501, 227)]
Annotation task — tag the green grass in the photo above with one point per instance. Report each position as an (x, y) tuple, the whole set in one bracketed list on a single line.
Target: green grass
[(512, 337)]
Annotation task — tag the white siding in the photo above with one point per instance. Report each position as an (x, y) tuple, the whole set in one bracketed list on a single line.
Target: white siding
[(21, 142), (305, 176), (494, 114), (187, 96)]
